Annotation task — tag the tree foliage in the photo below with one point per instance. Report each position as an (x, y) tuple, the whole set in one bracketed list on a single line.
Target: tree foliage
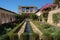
[(33, 16), (56, 34), (56, 18), (40, 18), (45, 16), (20, 17)]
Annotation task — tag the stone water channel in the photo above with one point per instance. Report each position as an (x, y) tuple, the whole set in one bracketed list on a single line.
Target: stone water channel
[(25, 33), (28, 28), (28, 33)]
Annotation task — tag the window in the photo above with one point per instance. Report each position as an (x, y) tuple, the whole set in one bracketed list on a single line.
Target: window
[(23, 9), (31, 9), (27, 9)]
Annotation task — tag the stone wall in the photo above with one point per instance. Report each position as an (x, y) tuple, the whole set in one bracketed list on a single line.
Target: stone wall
[(50, 20), (27, 9), (6, 16)]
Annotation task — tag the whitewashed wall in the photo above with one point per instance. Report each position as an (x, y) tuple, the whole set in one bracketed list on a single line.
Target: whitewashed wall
[(39, 13)]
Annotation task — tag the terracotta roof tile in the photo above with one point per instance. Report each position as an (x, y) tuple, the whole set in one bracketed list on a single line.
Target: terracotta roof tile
[(47, 6)]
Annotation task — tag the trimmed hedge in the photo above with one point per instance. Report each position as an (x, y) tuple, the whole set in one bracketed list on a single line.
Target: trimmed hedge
[(11, 33), (50, 32)]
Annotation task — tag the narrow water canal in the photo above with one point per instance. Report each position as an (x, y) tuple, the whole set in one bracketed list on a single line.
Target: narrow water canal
[(28, 33), (28, 28)]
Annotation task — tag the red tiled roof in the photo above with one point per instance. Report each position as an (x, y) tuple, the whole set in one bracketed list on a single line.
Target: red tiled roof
[(47, 6)]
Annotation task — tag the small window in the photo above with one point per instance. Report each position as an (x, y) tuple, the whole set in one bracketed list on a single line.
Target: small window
[(27, 9), (31, 9), (23, 9)]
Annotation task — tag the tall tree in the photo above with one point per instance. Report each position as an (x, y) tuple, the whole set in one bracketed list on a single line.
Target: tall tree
[(33, 16), (57, 2)]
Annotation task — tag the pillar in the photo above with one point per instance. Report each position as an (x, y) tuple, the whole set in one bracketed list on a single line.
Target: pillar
[(25, 10)]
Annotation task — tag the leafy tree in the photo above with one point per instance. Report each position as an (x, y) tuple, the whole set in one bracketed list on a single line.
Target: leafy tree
[(23, 16), (40, 18), (17, 16), (57, 2), (33, 16), (20, 18)]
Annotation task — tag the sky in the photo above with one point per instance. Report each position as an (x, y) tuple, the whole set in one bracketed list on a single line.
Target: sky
[(13, 4)]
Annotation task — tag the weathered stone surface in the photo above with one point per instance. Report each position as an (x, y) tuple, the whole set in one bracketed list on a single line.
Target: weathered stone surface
[(6, 16), (36, 30), (50, 19), (21, 30)]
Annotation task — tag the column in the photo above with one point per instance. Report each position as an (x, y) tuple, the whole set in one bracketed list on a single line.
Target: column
[(29, 10), (33, 10), (25, 10), (20, 10)]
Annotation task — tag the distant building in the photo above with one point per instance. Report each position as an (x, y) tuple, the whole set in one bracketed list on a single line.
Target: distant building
[(6, 16), (38, 12), (46, 8), (44, 11), (27, 9)]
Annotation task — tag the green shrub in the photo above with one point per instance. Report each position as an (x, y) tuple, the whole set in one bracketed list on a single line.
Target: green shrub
[(46, 26), (56, 18), (33, 16)]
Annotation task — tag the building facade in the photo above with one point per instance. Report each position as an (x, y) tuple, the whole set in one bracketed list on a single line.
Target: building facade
[(27, 9), (6, 16), (44, 11), (50, 17), (38, 12), (57, 2)]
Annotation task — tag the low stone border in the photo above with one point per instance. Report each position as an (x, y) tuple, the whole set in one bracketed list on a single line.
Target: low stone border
[(36, 30), (21, 30)]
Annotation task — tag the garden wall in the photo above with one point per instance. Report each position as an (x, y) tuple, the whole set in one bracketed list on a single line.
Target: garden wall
[(50, 20)]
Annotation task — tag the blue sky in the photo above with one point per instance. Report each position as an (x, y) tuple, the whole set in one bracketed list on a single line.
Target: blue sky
[(13, 4)]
